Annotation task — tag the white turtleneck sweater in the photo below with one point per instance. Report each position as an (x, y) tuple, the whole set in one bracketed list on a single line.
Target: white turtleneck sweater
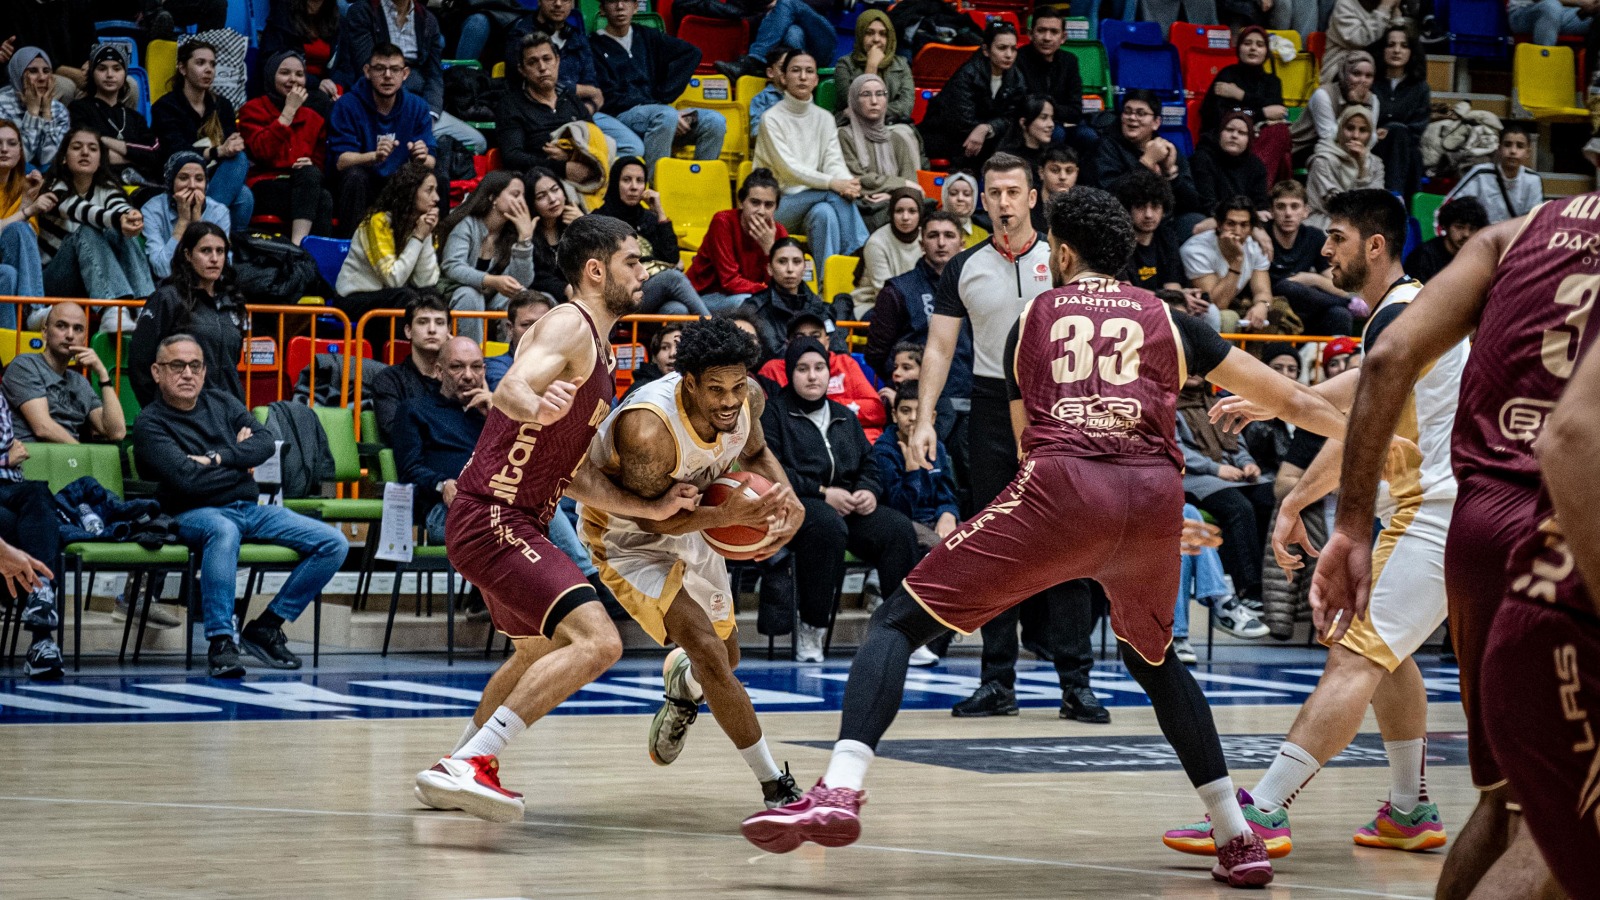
[(799, 142)]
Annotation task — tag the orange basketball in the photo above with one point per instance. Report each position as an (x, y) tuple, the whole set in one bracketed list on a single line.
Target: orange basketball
[(736, 541)]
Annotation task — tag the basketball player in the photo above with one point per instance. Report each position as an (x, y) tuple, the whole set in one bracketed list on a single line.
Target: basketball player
[(690, 427), (1541, 671), (545, 411), (1372, 662), (1095, 367), (1524, 288)]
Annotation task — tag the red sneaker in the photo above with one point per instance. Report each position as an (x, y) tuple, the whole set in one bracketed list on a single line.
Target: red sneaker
[(1242, 862), (827, 816), (471, 785)]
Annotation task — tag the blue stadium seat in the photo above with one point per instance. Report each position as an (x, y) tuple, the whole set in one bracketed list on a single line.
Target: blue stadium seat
[(1154, 68), (1476, 27), (141, 78), (1116, 33), (1179, 136), (329, 254)]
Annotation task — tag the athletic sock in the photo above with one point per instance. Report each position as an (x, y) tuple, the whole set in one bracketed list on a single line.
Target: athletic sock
[(1222, 802), (1288, 773), (693, 684), (1408, 782), (493, 736), (466, 735), (848, 767), (759, 759)]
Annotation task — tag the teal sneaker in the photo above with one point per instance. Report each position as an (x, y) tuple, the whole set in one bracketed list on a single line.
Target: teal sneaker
[(1418, 830), (1271, 827)]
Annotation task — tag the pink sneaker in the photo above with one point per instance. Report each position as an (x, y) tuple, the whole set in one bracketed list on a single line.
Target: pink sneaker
[(827, 816), (1242, 862)]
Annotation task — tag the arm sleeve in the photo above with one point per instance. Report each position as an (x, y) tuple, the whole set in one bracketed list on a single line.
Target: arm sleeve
[(159, 241), (945, 486), (1013, 390), (355, 43), (722, 248), (160, 457), (866, 475), (1183, 189), (520, 148), (891, 478), (869, 406), (1194, 462), (804, 486), (151, 328), (674, 69), (1322, 114), (1203, 349), (902, 90), (253, 450), (343, 134), (407, 442), (269, 141), (460, 257)]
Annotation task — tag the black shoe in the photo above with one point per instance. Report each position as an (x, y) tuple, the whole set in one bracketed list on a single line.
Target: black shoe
[(1081, 704), (223, 659), (748, 65), (270, 646), (44, 661), (40, 613), (780, 791), (990, 699)]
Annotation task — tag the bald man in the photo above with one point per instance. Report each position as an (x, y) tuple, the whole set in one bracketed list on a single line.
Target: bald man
[(53, 401), (436, 433)]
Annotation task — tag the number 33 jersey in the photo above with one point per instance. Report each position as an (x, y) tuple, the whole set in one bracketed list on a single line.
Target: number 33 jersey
[(1098, 365)]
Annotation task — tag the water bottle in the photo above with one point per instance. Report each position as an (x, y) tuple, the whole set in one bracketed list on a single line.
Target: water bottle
[(91, 520)]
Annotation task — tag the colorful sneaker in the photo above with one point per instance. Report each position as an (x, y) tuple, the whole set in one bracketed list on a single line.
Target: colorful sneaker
[(670, 727), (1420, 829), (1243, 863), (470, 785), (1271, 827), (827, 816)]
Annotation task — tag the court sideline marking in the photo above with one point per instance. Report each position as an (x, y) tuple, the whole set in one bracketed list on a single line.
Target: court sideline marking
[(946, 854)]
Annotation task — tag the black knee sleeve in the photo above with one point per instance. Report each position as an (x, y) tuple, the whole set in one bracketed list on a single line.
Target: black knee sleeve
[(907, 616), (1183, 713), (878, 675)]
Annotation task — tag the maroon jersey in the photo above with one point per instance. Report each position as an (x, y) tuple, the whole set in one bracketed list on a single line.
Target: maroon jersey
[(1099, 364), (527, 466), (1529, 340)]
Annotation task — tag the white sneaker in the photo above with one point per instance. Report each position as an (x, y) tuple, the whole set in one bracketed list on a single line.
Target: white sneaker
[(1185, 653), (807, 643), (470, 785), (922, 656), (1236, 619), (670, 727)]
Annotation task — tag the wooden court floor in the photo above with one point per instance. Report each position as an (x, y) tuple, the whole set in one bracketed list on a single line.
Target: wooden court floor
[(317, 809)]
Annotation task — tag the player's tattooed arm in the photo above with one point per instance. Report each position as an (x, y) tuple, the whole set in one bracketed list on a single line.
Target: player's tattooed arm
[(646, 454)]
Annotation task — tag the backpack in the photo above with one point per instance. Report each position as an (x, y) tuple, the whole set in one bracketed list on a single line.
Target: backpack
[(272, 271), (922, 22), (470, 95)]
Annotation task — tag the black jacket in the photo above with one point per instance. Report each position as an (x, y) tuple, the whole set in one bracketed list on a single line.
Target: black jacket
[(1058, 79), (433, 443), (1408, 104), (164, 438), (145, 155), (773, 312), (657, 71), (216, 327), (844, 460), (1261, 90), (965, 102), (1218, 176), (281, 33), (393, 387), (1116, 158), (523, 127), (177, 125)]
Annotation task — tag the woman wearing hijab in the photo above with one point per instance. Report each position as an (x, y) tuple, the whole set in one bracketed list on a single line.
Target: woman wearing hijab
[(30, 102), (110, 108), (1353, 26), (829, 463), (667, 290), (286, 140), (1247, 85), (1224, 167), (875, 54), (800, 144), (1344, 164), (960, 199), (893, 249), (884, 157), (167, 216), (1352, 87)]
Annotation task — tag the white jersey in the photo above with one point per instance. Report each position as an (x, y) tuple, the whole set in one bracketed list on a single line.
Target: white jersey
[(1428, 418), (699, 462)]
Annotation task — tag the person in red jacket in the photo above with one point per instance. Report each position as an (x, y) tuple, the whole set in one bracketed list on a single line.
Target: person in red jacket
[(732, 261), (285, 139), (847, 383)]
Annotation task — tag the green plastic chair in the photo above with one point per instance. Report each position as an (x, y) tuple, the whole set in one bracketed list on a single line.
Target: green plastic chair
[(424, 558), (825, 96), (1425, 207), (1093, 66)]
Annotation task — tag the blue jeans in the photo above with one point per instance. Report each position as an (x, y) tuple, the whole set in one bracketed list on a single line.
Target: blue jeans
[(656, 126), (474, 35), (669, 293), (723, 303), (20, 272), (217, 532), (628, 143), (1547, 20), (793, 23), (1201, 576), (565, 537), (99, 264), (226, 186), (832, 225)]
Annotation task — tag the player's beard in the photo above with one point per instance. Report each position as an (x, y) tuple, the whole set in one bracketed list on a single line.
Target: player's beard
[(619, 300), (1352, 275)]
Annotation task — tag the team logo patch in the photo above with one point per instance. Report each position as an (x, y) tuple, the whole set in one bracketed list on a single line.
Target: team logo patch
[(1100, 416), (1522, 419)]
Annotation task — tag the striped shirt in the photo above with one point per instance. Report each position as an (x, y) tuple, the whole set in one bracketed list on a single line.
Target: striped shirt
[(102, 208)]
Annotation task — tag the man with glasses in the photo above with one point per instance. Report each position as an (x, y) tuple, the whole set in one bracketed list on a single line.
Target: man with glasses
[(199, 446), (373, 129), (1137, 146)]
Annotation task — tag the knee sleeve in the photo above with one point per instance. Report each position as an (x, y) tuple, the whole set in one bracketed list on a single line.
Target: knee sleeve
[(1182, 712), (907, 616)]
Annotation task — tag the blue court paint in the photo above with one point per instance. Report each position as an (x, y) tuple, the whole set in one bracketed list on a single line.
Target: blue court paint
[(372, 689)]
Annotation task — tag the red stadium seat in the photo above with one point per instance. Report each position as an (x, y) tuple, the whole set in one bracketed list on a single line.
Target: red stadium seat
[(1187, 37), (299, 355), (919, 103), (935, 63), (719, 40)]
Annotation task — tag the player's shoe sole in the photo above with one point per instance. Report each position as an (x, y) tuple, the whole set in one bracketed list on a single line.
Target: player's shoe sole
[(472, 786), (777, 832), (1271, 827)]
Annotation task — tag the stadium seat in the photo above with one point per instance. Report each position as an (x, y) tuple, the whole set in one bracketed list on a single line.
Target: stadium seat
[(1186, 37), (1413, 236), (935, 63), (932, 184), (1298, 77), (1292, 37), (1080, 28), (1154, 68), (1095, 70), (839, 276), (811, 274), (1425, 207), (1476, 27), (1544, 83), (1317, 45), (714, 92), (719, 40), (161, 61), (919, 103), (1115, 33), (329, 254), (298, 356), (694, 191), (141, 79), (1200, 68), (499, 70), (982, 18), (825, 95), (14, 344), (746, 88), (128, 44)]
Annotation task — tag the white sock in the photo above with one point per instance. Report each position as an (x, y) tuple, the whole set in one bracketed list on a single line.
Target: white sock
[(1408, 781), (693, 684), (848, 767), (493, 736), (466, 735), (1288, 773), (759, 759), (1222, 802)]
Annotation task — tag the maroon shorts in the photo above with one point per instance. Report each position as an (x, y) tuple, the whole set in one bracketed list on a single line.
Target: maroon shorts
[(1541, 704), (1491, 517), (528, 584), (1063, 518)]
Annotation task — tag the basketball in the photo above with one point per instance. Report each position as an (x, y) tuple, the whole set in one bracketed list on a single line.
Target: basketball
[(736, 541)]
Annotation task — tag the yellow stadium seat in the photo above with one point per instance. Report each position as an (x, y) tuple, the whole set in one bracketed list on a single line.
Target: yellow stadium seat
[(1545, 83), (161, 61), (692, 192), (1292, 37), (11, 347), (747, 87), (713, 92), (1299, 78), (839, 275), (745, 168), (811, 273), (495, 348), (499, 70)]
